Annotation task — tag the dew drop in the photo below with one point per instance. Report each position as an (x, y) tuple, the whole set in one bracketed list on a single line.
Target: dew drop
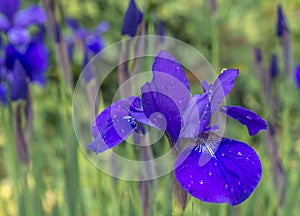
[(247, 158), (201, 182), (215, 164), (115, 116), (245, 191), (177, 68), (249, 117), (231, 190), (180, 101), (191, 176), (223, 154), (226, 186), (239, 183), (189, 185), (210, 173), (240, 154), (192, 182)]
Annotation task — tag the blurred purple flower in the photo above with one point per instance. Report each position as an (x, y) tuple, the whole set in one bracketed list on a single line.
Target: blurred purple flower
[(91, 40), (281, 22), (232, 167), (274, 67), (25, 57), (132, 19), (297, 76)]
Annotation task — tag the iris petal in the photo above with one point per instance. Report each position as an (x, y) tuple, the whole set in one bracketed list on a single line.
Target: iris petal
[(230, 175), (35, 62), (30, 16), (18, 35), (221, 87), (246, 117), (113, 125), (4, 23), (297, 76)]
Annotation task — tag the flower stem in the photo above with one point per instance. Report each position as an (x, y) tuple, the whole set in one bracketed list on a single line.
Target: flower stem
[(179, 198)]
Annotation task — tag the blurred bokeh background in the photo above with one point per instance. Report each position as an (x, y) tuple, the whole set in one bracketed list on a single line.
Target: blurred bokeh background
[(51, 176)]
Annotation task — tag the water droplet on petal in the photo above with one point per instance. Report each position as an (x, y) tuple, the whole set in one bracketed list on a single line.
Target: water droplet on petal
[(247, 158), (231, 190), (239, 153), (226, 186), (215, 164), (223, 154), (201, 181), (210, 173), (245, 191), (191, 176), (115, 116), (239, 183)]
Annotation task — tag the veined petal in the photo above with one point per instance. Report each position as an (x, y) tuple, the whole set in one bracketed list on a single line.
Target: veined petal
[(165, 63), (18, 35), (113, 125), (246, 117), (9, 7), (132, 19), (230, 175), (221, 87), (30, 16), (196, 116), (35, 62)]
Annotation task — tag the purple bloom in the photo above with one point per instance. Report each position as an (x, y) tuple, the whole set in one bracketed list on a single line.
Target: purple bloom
[(25, 57), (91, 40), (132, 19), (281, 22), (210, 168), (297, 76)]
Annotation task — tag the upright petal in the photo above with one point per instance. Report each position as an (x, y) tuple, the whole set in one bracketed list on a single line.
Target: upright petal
[(221, 87), (113, 125), (230, 175), (246, 117), (165, 63), (9, 8), (196, 116), (35, 62), (167, 96), (30, 16), (297, 76), (132, 19)]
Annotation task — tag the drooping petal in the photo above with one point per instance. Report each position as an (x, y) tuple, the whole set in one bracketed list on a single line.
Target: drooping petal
[(196, 116), (167, 96), (230, 175), (281, 22), (221, 87), (9, 7), (297, 76), (17, 82), (94, 43), (35, 62), (165, 63), (246, 117), (113, 125), (4, 23), (30, 16), (18, 35), (132, 19)]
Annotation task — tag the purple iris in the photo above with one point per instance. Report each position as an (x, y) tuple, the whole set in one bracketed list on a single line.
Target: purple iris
[(91, 41), (132, 19), (210, 168), (274, 66), (24, 57), (297, 76)]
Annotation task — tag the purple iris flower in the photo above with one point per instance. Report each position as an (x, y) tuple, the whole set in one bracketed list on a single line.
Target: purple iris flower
[(210, 168), (132, 19), (92, 41), (297, 76), (25, 57)]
